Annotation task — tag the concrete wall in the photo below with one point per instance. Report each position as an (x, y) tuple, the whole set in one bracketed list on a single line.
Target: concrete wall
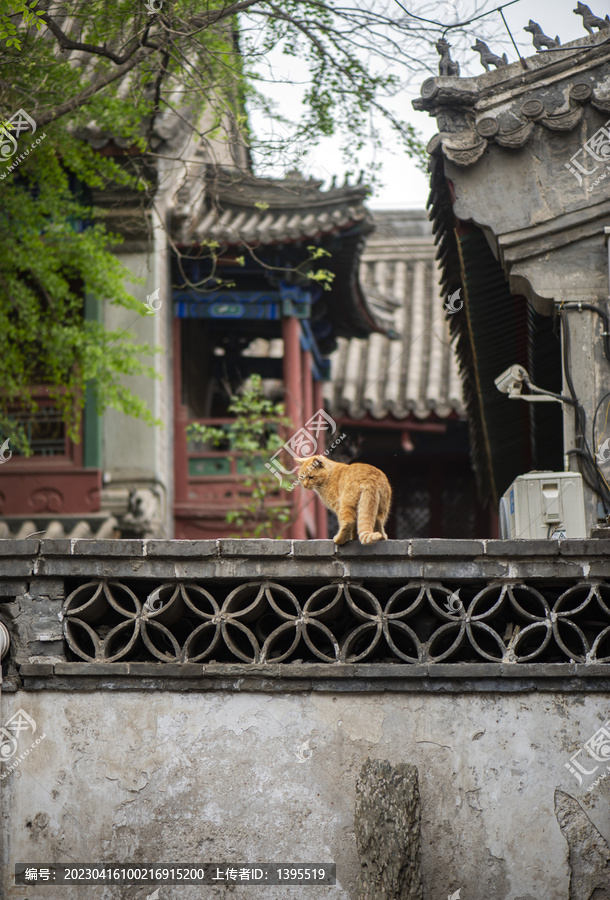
[(161, 762), (218, 777)]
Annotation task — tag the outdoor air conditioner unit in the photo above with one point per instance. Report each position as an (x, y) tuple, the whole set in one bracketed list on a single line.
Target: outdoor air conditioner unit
[(544, 505)]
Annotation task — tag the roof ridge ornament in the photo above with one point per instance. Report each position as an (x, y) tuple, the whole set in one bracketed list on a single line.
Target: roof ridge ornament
[(590, 20), (446, 65), (487, 57), (539, 38)]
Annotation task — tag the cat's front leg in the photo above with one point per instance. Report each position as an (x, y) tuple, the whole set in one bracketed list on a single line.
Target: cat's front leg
[(346, 533)]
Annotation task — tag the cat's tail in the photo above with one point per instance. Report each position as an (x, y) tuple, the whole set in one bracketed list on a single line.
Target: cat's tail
[(367, 514)]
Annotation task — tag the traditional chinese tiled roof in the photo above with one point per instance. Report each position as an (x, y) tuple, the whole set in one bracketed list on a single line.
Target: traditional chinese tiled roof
[(511, 212), (506, 105), (277, 221), (238, 208), (415, 372)]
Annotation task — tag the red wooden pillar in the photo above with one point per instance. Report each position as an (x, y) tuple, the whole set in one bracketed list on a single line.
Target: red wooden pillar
[(291, 334), (321, 515), (311, 500), (308, 409), (180, 420)]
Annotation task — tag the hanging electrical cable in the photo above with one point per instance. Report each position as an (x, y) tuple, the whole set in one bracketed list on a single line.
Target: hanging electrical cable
[(570, 49), (597, 409), (457, 24), (600, 312)]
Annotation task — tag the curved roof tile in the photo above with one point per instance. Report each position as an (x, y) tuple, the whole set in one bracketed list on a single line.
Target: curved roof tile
[(416, 373), (286, 210)]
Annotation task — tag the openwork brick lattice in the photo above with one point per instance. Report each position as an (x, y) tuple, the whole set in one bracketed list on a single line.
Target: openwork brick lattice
[(265, 622)]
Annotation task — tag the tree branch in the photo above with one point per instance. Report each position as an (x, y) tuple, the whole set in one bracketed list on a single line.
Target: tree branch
[(97, 85), (67, 43)]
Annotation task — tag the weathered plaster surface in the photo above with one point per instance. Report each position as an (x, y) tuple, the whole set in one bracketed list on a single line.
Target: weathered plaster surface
[(146, 777)]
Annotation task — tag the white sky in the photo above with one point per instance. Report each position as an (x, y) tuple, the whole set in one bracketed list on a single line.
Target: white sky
[(404, 185)]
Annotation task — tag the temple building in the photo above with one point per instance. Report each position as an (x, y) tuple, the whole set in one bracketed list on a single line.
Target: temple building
[(373, 352), (209, 312), (520, 203)]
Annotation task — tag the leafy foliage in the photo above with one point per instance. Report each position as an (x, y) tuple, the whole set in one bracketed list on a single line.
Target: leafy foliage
[(139, 72), (254, 437), (8, 26), (47, 266)]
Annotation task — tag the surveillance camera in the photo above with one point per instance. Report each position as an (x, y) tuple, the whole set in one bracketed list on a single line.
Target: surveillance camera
[(511, 381)]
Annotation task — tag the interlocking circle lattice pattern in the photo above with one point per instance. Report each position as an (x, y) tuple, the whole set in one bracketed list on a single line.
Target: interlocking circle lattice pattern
[(266, 622)]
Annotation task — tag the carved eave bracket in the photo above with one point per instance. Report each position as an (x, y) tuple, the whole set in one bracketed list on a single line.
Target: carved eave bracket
[(600, 97), (465, 134), (463, 149)]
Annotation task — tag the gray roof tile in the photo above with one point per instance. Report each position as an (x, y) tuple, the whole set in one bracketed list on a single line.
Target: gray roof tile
[(416, 373)]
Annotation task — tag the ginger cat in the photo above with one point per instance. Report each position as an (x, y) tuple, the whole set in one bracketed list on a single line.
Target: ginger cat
[(358, 494)]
